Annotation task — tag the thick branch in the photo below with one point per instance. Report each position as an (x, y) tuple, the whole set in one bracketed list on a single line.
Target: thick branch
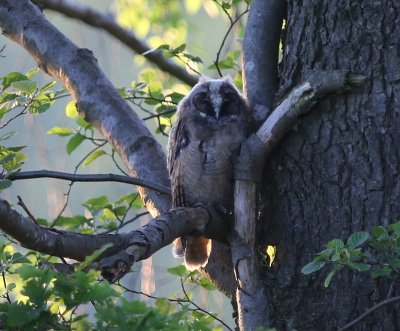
[(97, 100), (107, 23), (54, 242), (89, 178), (251, 296), (127, 248), (260, 55)]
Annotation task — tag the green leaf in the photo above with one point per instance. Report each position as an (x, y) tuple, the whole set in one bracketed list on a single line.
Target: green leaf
[(71, 111), (81, 122), (335, 244), (179, 49), (25, 86), (378, 231), (206, 283), (5, 183), (31, 73), (381, 272), (394, 261), (93, 257), (329, 278), (60, 131), (93, 156), (7, 97), (29, 271), (8, 135), (312, 267), (11, 78), (226, 5), (48, 85), (20, 315), (74, 221), (359, 266), (176, 97), (179, 270), (96, 204), (74, 142), (396, 228), (119, 211), (357, 239)]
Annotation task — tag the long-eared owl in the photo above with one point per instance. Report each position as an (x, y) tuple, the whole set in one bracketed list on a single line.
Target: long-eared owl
[(212, 121)]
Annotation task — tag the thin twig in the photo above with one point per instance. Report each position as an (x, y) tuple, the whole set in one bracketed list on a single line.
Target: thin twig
[(202, 309), (369, 311), (136, 217), (25, 208), (89, 178), (6, 295), (67, 195), (233, 22)]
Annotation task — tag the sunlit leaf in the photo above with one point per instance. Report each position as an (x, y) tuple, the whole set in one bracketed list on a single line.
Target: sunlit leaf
[(33, 72), (47, 86), (60, 131), (179, 270), (93, 156), (71, 110)]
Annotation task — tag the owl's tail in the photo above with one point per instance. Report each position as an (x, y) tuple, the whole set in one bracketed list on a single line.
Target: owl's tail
[(197, 251)]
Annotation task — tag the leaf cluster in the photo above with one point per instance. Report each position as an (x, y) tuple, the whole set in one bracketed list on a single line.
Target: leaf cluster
[(377, 252), (41, 298)]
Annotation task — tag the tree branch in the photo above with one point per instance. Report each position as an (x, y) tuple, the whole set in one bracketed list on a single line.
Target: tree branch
[(97, 100), (127, 248), (260, 55), (369, 311), (107, 23), (89, 178), (251, 295)]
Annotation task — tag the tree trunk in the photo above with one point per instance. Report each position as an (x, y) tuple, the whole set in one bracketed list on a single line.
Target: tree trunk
[(338, 171)]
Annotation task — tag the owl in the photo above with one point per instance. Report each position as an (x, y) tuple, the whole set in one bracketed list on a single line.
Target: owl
[(212, 121)]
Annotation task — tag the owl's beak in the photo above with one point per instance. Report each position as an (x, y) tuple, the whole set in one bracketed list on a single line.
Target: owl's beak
[(217, 113)]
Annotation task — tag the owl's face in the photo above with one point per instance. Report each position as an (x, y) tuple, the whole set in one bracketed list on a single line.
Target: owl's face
[(215, 100)]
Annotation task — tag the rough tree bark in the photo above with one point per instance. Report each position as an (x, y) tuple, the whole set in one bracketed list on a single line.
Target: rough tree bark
[(339, 171)]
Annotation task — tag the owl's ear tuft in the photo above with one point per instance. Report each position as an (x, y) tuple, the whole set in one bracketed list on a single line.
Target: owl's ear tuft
[(203, 79), (228, 79)]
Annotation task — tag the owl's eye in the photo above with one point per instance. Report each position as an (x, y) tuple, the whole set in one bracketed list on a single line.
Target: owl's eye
[(229, 104), (202, 103)]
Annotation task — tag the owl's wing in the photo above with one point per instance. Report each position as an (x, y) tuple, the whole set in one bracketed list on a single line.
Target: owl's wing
[(178, 140)]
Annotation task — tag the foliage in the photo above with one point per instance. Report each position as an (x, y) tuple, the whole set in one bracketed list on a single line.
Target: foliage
[(378, 253), (42, 298)]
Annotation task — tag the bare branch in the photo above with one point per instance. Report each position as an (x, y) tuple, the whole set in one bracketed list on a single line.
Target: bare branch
[(369, 311), (107, 23), (260, 55), (89, 178), (97, 100)]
